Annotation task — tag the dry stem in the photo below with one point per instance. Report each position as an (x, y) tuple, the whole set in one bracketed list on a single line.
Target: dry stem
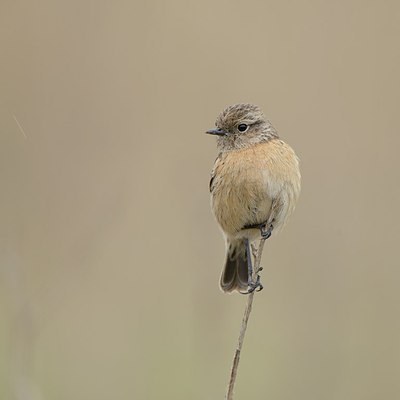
[(257, 259)]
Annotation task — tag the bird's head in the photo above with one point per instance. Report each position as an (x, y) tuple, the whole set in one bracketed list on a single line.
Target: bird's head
[(240, 126)]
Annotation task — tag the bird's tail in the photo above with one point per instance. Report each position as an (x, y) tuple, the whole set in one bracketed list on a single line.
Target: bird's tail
[(235, 273)]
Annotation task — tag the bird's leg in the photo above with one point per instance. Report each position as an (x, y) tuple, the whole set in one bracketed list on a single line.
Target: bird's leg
[(252, 285), (249, 261)]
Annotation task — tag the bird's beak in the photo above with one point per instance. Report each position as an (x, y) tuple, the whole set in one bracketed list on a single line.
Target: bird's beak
[(218, 132)]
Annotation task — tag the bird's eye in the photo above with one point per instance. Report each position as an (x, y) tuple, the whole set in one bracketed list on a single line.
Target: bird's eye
[(242, 127)]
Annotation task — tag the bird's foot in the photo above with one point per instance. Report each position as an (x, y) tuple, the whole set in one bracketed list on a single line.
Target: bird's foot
[(254, 286), (266, 233)]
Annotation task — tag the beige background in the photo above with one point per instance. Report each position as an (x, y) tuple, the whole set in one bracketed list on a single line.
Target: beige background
[(110, 257)]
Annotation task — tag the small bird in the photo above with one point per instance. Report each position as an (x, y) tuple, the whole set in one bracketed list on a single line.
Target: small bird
[(254, 186)]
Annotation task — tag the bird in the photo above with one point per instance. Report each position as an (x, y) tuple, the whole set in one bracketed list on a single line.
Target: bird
[(254, 186)]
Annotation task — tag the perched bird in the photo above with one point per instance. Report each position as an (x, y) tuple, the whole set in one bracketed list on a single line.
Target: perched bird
[(254, 186)]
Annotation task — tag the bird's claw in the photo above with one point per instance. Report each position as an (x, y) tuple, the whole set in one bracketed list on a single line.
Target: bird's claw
[(254, 286), (266, 233)]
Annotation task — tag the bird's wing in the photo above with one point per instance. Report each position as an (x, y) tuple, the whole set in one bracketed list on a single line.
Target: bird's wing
[(213, 173)]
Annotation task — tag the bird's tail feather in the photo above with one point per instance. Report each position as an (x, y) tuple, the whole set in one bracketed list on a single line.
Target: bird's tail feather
[(235, 273)]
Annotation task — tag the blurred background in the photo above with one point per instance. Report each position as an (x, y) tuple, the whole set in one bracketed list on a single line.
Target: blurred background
[(109, 254)]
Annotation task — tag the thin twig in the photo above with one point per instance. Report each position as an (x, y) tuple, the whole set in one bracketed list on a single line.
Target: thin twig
[(246, 315), (20, 127)]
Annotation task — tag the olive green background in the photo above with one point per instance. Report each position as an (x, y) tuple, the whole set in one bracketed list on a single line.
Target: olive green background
[(109, 254)]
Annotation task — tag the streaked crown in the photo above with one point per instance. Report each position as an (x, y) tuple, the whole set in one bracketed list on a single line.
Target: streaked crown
[(240, 113)]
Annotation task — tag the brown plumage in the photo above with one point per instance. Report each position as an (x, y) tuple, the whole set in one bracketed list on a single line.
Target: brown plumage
[(255, 181)]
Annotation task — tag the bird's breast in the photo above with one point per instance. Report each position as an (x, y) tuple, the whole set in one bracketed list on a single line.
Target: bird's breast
[(246, 183), (239, 190)]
